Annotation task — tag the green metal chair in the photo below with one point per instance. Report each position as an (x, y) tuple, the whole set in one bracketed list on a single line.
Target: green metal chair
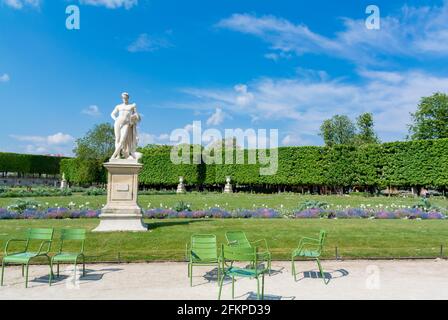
[(239, 239), (203, 251), (62, 256), (232, 254), (310, 248), (24, 257)]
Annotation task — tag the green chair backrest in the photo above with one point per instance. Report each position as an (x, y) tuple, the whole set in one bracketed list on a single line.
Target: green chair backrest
[(239, 254), (40, 234), (322, 237), (237, 238), (204, 247), (73, 235)]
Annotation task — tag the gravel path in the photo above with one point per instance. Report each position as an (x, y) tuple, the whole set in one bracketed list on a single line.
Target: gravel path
[(404, 279)]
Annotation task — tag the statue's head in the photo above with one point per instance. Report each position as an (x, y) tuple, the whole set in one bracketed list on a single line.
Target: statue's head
[(125, 97)]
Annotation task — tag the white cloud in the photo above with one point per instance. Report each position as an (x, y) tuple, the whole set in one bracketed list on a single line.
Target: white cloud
[(59, 143), (55, 139), (148, 138), (4, 78), (305, 101), (20, 4), (92, 110), (146, 43), (409, 33), (216, 118), (111, 4)]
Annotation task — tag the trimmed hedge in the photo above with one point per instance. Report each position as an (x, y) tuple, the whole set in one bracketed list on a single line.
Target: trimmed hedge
[(395, 164), (29, 164), (83, 172)]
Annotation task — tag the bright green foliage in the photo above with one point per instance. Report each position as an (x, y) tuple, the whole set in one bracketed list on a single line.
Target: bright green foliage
[(370, 166), (158, 170), (97, 144), (83, 171), (338, 130), (430, 121), (366, 133), (28, 163)]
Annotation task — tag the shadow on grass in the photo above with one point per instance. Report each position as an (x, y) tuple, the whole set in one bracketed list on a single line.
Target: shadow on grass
[(161, 224)]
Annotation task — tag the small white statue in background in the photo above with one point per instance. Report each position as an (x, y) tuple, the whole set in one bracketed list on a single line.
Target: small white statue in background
[(126, 119)]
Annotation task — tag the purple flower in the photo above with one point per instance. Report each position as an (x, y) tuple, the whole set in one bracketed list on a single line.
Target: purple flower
[(386, 215), (265, 213), (218, 213), (309, 213), (159, 213)]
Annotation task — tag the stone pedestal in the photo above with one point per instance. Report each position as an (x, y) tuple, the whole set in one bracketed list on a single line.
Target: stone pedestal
[(181, 186), (122, 213), (228, 186), (64, 185)]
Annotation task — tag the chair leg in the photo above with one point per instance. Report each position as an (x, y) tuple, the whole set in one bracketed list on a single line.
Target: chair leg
[(262, 287), (83, 266), (220, 285), (258, 288), (23, 271), (58, 270), (3, 271), (191, 274), (233, 287), (51, 272), (293, 268), (321, 270), (269, 265), (75, 271), (26, 275), (219, 273)]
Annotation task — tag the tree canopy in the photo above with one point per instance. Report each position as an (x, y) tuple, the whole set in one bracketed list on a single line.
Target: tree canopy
[(98, 143), (430, 121)]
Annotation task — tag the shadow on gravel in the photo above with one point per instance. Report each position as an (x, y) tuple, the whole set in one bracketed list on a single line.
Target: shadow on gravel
[(253, 296), (67, 274), (315, 274)]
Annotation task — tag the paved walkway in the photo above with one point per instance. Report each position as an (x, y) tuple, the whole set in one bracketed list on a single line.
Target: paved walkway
[(409, 279)]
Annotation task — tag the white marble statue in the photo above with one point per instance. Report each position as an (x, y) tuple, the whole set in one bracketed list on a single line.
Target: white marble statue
[(126, 119)]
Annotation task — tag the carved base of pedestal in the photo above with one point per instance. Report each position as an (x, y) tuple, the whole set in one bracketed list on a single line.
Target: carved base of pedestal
[(120, 221), (228, 188), (122, 212), (181, 189)]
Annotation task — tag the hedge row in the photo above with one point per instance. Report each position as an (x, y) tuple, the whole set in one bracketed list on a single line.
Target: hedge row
[(397, 164), (29, 164), (83, 172)]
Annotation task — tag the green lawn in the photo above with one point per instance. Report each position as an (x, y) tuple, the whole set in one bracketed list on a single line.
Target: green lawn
[(166, 241), (199, 201)]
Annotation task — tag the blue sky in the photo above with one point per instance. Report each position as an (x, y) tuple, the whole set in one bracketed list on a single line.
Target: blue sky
[(285, 65)]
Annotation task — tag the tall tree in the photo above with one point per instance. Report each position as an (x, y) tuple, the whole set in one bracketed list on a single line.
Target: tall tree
[(98, 143), (430, 121), (338, 130), (366, 133)]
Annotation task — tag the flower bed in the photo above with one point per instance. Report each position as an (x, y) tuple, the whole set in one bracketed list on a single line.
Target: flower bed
[(219, 213)]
